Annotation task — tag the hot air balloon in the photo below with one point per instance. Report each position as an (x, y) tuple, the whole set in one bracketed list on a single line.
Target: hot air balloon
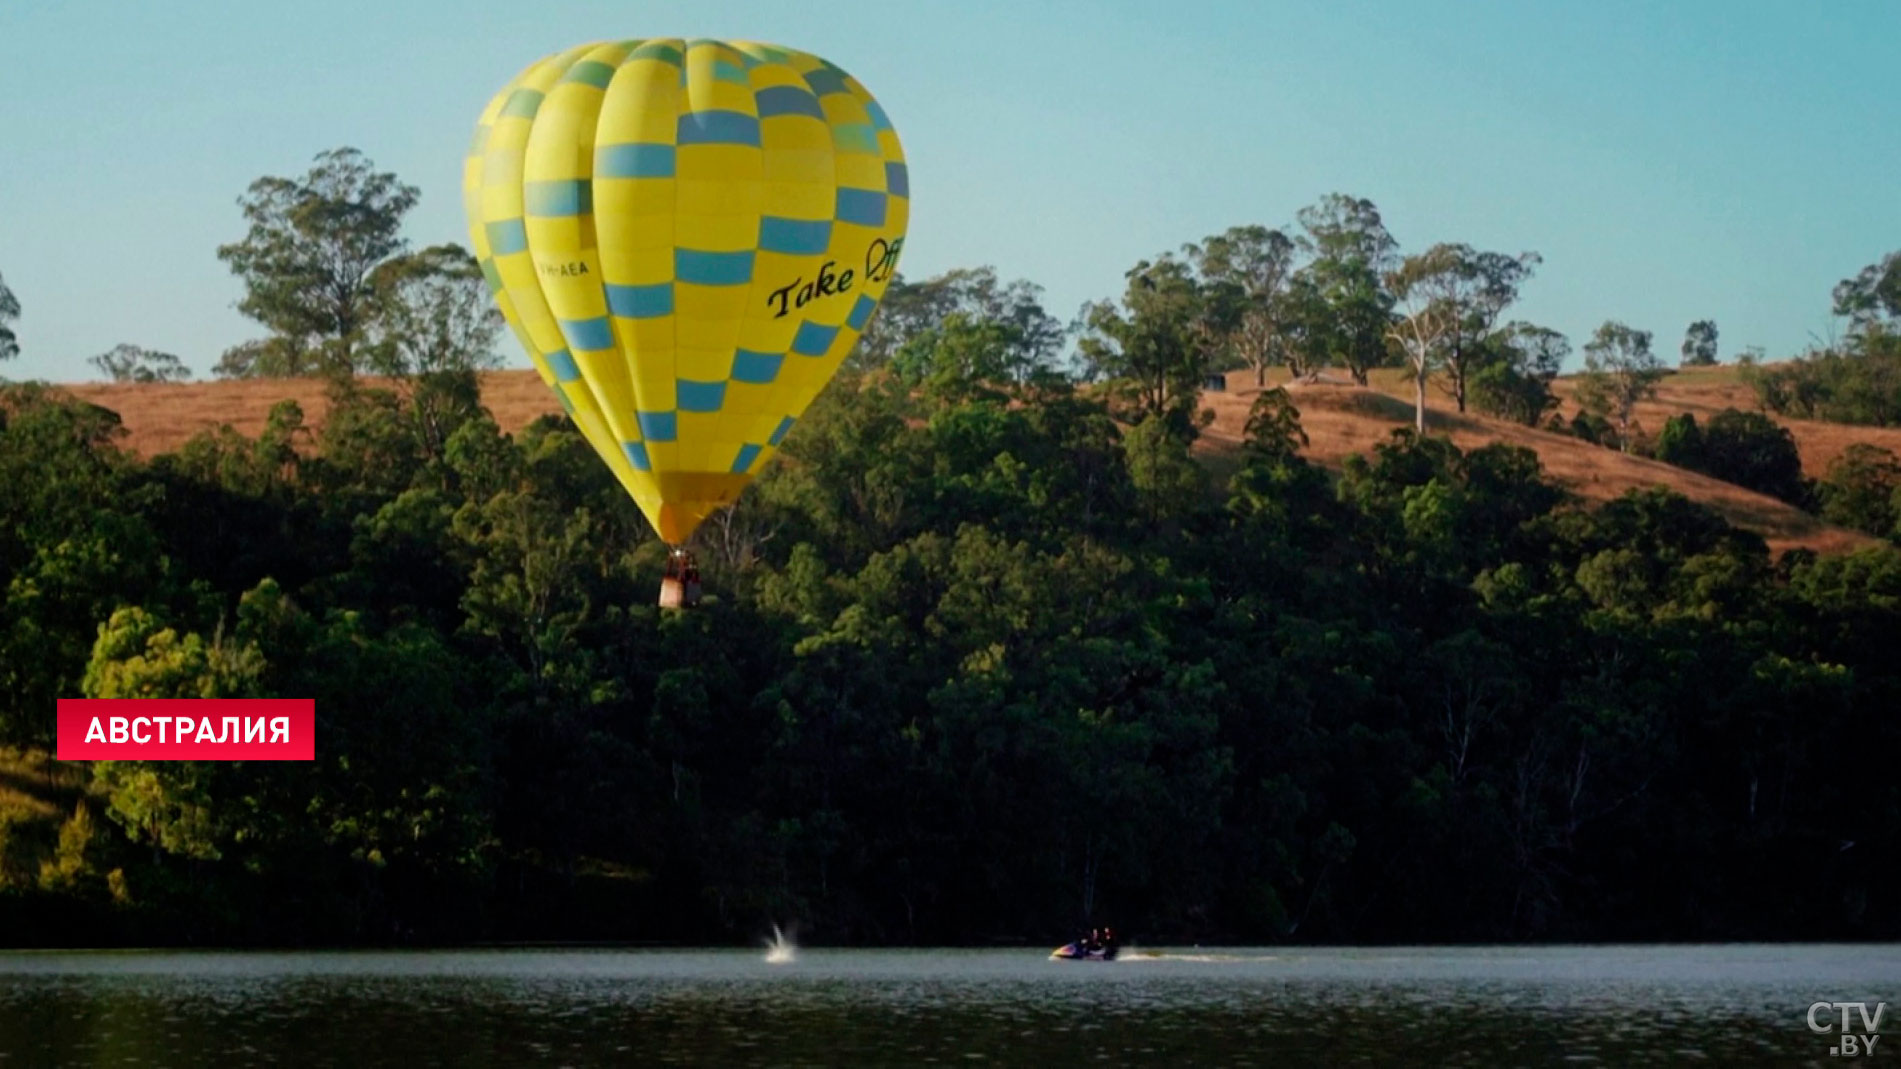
[(687, 236)]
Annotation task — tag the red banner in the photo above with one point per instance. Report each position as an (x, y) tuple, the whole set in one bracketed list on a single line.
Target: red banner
[(187, 729)]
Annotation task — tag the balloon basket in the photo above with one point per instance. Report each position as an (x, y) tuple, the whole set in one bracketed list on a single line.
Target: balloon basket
[(680, 587)]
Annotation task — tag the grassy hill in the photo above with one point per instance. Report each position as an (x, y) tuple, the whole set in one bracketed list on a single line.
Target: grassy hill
[(1340, 420)]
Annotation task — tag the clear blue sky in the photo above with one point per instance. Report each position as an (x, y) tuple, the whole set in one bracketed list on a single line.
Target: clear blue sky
[(1670, 161)]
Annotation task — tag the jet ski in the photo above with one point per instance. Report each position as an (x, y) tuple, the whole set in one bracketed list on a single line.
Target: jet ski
[(1084, 952)]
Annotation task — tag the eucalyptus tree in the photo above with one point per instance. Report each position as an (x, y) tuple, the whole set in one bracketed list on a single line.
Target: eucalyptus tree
[(1619, 371), (132, 363), (313, 264), (1247, 272), (1699, 344), (1153, 346), (1344, 306)]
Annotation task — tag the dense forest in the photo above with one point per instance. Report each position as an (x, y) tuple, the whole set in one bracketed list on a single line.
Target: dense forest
[(989, 653)]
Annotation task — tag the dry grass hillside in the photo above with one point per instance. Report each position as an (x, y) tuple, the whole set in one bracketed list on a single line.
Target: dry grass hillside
[(1706, 391), (160, 417), (1340, 420)]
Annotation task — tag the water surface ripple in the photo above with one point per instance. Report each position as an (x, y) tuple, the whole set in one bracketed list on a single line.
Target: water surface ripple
[(1619, 1005)]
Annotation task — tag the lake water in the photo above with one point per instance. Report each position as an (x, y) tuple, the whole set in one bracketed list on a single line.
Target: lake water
[(1727, 1005)]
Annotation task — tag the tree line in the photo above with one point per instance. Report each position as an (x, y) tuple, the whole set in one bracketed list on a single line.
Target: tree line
[(339, 290), (991, 653)]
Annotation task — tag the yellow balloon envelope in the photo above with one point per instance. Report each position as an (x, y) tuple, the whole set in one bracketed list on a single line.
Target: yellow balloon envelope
[(687, 236)]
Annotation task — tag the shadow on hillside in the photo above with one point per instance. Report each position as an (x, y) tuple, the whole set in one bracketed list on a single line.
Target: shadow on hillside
[(33, 781), (1772, 522), (1372, 404)]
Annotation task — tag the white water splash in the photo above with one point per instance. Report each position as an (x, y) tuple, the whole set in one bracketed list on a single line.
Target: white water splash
[(1129, 954), (780, 949)]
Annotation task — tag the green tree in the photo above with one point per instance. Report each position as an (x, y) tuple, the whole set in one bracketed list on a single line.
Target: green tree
[(1152, 347), (1680, 442), (1745, 448), (1279, 502), (1165, 475), (960, 358), (1246, 272), (1273, 430), (1862, 490), (1343, 304), (1873, 297), (1750, 449), (169, 806), (130, 363), (1587, 426), (74, 545), (1483, 285), (436, 331), (1619, 371), (1856, 381), (528, 589), (1462, 293), (437, 316), (1427, 309), (1449, 300), (136, 656), (1699, 344), (910, 309), (369, 450), (313, 264), (1513, 371)]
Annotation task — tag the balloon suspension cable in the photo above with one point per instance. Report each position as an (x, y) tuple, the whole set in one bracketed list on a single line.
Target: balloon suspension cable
[(680, 587)]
